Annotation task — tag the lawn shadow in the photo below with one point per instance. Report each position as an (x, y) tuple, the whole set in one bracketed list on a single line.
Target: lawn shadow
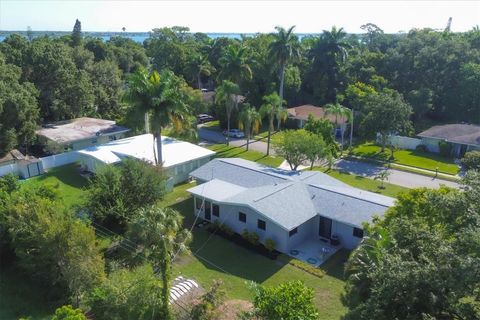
[(335, 265), (68, 174), (219, 254)]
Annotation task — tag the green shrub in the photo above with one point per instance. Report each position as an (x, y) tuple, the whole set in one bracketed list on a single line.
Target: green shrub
[(270, 244), (226, 229), (421, 147), (307, 268), (471, 160), (445, 148), (251, 237)]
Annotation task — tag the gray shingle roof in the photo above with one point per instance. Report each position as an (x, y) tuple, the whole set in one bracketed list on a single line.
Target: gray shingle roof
[(284, 197), (456, 133)]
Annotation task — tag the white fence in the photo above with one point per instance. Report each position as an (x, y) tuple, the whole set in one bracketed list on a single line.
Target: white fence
[(10, 168), (401, 142), (58, 160)]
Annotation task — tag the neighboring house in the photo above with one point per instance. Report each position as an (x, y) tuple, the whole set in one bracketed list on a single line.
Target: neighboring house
[(209, 97), (463, 137), (16, 163), (78, 133), (288, 207), (300, 115), (179, 157)]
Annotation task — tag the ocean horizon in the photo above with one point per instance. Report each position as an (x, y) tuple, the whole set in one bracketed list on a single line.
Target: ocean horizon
[(139, 37)]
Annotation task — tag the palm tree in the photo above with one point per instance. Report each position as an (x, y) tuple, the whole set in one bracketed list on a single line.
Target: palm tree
[(235, 64), (339, 111), (160, 234), (281, 115), (284, 47), (329, 51), (272, 103), (228, 93), (200, 66), (382, 176), (250, 120), (159, 98)]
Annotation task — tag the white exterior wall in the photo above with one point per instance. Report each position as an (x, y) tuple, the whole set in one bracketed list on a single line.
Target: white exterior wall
[(104, 138), (431, 144), (345, 234), (306, 231), (229, 216)]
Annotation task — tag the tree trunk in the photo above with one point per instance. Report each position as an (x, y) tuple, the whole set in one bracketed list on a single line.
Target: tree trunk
[(311, 165), (270, 128), (351, 129), (158, 139), (248, 137), (227, 136), (280, 90), (199, 81), (384, 142), (146, 119), (165, 270)]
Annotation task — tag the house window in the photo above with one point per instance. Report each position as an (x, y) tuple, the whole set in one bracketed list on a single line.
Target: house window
[(292, 232), (207, 207), (242, 217), (261, 224), (357, 232), (198, 203), (216, 210)]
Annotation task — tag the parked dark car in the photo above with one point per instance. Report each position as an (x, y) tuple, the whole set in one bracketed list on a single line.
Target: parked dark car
[(202, 118)]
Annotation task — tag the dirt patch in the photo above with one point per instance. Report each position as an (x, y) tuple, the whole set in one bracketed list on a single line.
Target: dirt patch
[(229, 309)]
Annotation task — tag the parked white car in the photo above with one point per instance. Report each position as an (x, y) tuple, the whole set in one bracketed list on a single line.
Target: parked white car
[(235, 133)]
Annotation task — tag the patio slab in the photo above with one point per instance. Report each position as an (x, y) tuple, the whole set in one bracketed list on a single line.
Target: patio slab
[(313, 252)]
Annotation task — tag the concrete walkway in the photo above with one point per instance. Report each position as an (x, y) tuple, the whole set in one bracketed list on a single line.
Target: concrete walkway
[(366, 169)]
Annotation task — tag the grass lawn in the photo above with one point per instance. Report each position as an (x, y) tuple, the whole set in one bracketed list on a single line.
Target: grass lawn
[(214, 257), (391, 190), (413, 158), (65, 180), (224, 151)]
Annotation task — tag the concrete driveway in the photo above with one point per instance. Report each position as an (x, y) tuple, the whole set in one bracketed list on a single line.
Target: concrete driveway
[(401, 178)]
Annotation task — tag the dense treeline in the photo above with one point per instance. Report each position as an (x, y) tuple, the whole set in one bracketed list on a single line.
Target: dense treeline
[(437, 73)]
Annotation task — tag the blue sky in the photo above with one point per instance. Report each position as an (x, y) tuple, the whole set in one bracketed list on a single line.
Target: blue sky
[(236, 16)]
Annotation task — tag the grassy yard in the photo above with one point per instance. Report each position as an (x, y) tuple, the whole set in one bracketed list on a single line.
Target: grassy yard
[(413, 158), (391, 190), (216, 258), (224, 151), (65, 180), (212, 257)]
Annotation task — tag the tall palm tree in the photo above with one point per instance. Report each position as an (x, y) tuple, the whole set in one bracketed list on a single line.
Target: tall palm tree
[(284, 47), (235, 63), (228, 93), (330, 50), (250, 120), (200, 66), (281, 115), (339, 111), (159, 97), (272, 103), (160, 234)]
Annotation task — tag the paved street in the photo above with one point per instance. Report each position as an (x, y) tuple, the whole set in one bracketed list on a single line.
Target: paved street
[(401, 178)]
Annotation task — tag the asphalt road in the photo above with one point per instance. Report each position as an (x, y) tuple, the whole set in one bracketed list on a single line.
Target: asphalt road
[(370, 170)]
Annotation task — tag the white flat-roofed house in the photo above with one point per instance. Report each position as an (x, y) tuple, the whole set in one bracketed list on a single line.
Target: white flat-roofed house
[(179, 157), (78, 134)]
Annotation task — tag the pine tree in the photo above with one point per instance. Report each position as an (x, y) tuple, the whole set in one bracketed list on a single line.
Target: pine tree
[(77, 33)]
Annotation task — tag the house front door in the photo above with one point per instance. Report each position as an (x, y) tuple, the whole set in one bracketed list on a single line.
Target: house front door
[(325, 228)]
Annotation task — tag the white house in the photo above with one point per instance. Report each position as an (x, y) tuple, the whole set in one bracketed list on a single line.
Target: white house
[(179, 157), (291, 208), (78, 133)]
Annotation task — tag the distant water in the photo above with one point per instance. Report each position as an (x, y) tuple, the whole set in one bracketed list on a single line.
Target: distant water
[(135, 36)]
